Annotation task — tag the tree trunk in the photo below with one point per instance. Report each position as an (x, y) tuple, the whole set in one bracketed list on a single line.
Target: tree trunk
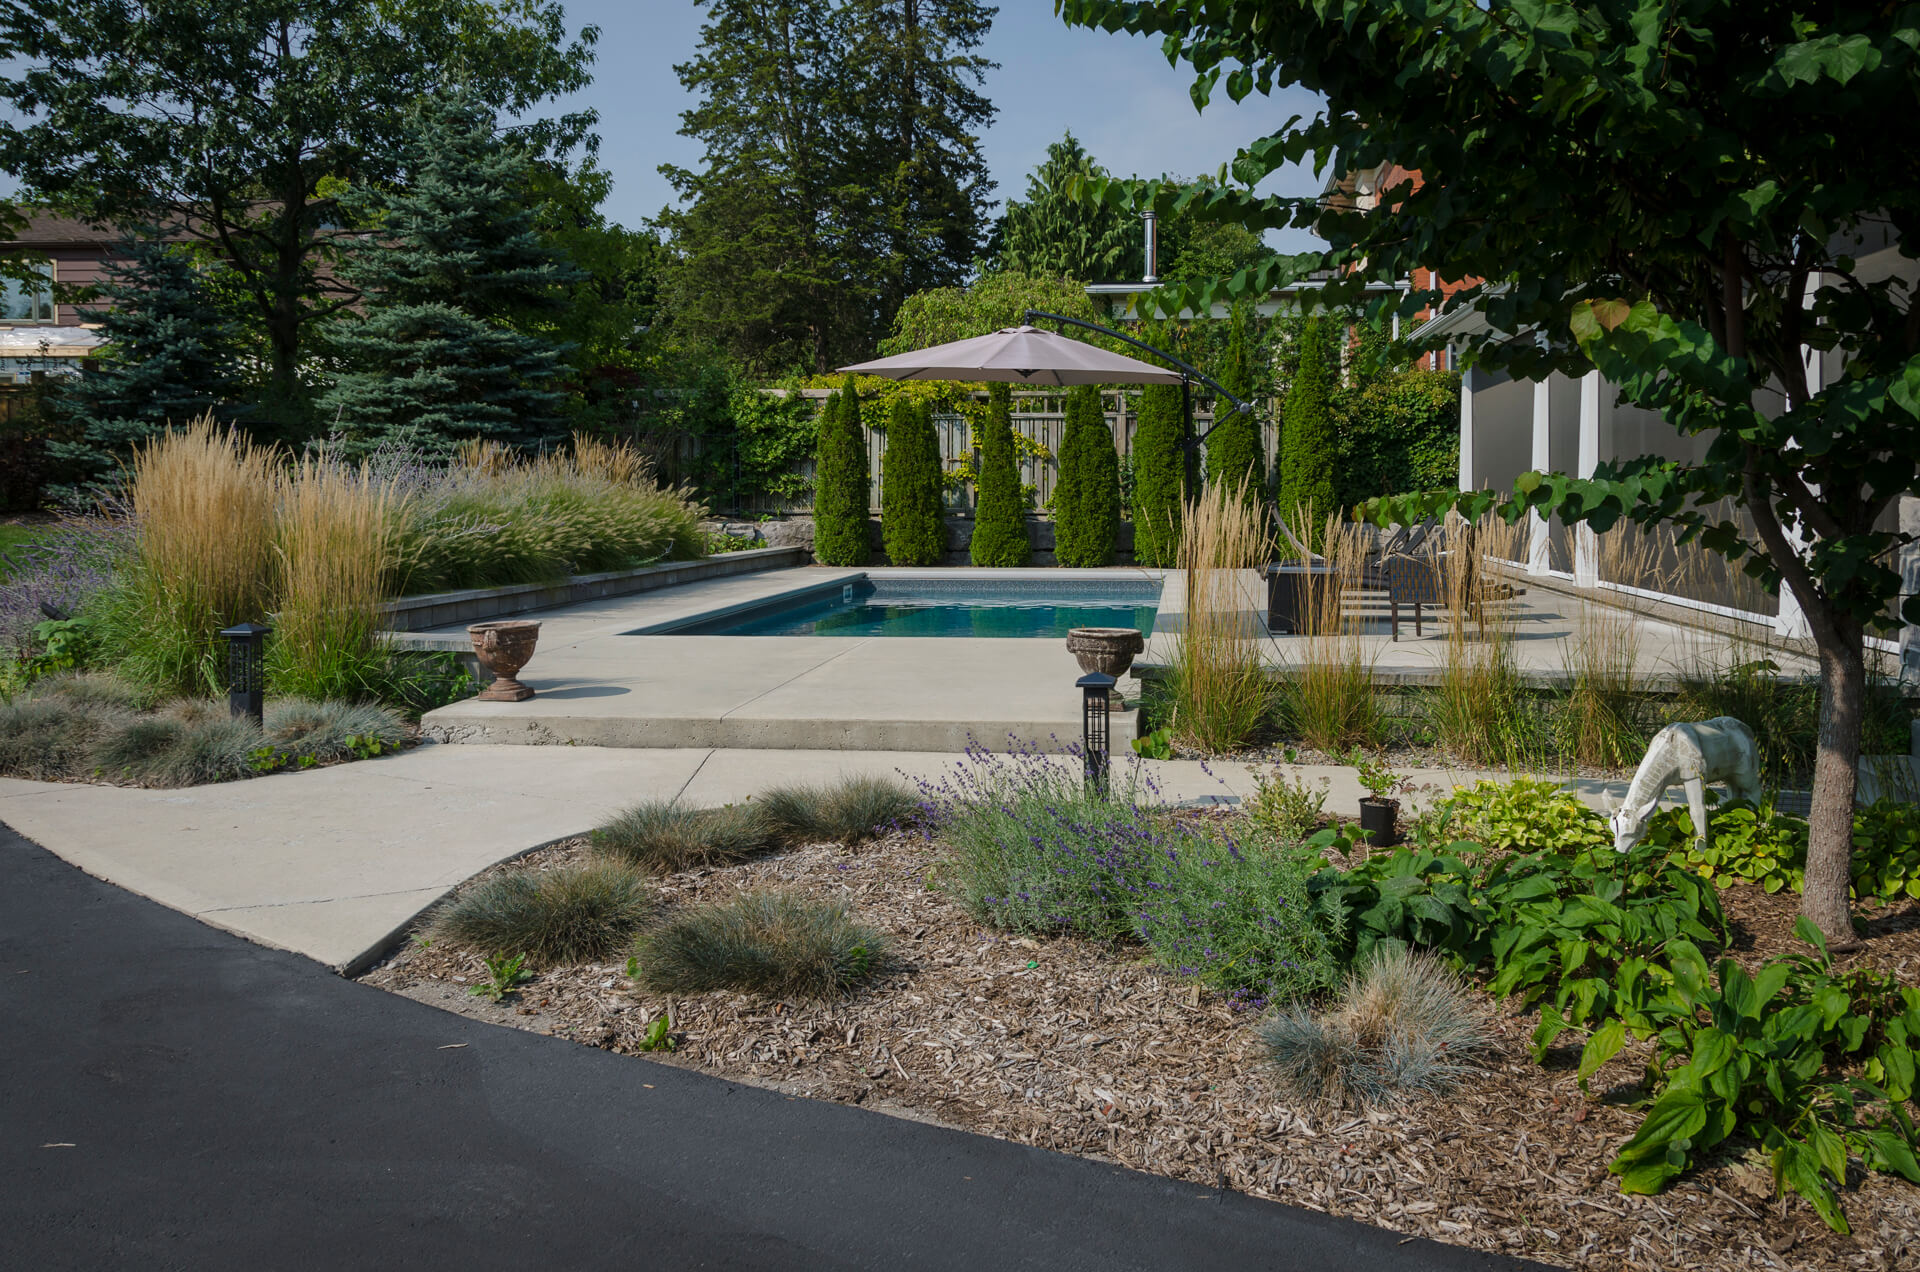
[(1843, 692)]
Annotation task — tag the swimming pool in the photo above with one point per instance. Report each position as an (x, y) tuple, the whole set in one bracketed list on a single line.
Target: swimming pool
[(1017, 608)]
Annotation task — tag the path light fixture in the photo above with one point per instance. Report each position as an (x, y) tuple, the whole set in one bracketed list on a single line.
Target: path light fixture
[(247, 670), (1095, 736)]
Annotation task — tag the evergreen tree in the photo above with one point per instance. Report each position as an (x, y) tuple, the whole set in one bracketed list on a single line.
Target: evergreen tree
[(169, 359), (1234, 450), (1000, 522), (1055, 233), (911, 499), (1087, 501), (839, 172), (448, 261), (840, 535), (917, 120), (1159, 469), (1306, 486)]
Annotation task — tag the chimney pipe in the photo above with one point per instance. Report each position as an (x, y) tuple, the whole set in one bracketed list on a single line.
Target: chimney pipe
[(1152, 227)]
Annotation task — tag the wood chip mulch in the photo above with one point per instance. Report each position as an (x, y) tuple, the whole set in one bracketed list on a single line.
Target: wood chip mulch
[(1087, 1049)]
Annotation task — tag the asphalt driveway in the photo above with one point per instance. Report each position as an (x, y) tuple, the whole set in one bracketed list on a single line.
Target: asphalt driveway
[(175, 1097)]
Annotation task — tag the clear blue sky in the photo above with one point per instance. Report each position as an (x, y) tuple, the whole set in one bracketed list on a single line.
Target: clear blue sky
[(1115, 92)]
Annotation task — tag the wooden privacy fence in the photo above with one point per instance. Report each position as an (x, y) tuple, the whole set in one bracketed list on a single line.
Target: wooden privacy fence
[(1039, 416)]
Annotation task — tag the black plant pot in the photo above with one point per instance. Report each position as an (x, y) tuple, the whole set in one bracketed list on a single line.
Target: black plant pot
[(1379, 818)]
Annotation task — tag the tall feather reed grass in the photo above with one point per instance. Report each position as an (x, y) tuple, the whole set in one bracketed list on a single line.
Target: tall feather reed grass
[(1482, 710), (1327, 697), (1221, 691), (334, 537), (203, 499), (1602, 720)]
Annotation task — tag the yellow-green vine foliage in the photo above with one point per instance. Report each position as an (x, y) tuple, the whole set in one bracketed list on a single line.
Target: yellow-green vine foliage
[(911, 498)]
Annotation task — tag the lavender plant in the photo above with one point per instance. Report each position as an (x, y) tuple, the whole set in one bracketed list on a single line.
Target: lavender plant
[(1035, 850)]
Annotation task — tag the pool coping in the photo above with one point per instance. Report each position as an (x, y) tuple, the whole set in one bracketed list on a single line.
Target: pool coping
[(808, 591)]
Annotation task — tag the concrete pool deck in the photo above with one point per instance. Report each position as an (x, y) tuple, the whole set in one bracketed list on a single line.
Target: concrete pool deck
[(600, 686)]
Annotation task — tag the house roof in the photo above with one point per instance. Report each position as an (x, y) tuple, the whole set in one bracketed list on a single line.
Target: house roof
[(47, 229)]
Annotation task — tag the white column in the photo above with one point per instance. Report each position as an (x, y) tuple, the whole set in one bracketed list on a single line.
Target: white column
[(1791, 622), (1466, 432), (1536, 524), (1586, 544)]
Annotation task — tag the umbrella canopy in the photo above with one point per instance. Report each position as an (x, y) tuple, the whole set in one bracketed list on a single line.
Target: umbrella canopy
[(1022, 355)]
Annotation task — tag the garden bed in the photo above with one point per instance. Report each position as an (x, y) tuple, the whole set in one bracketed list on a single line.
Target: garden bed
[(1091, 1049)]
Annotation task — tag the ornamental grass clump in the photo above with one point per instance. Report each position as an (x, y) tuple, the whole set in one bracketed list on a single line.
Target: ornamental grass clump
[(1221, 691), (193, 742), (774, 943), (570, 914), (202, 498), (1482, 710), (1405, 1025), (335, 536), (49, 738), (1326, 697), (299, 728), (851, 810), (664, 835)]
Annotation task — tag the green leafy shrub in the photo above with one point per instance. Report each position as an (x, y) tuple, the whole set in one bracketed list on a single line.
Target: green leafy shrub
[(912, 502), (1816, 1065), (1000, 522), (570, 914), (664, 835), (847, 811), (1744, 845), (1573, 932), (1886, 850), (1525, 815), (1397, 434), (1159, 477), (1405, 1025), (1086, 502), (763, 942), (840, 497), (1287, 808)]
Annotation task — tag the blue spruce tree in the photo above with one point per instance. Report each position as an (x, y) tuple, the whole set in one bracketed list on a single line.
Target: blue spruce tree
[(448, 265)]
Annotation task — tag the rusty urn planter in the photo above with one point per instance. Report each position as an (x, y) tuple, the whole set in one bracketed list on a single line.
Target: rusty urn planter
[(1107, 650), (503, 648)]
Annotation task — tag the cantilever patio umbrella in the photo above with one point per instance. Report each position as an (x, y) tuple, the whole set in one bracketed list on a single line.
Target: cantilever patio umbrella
[(1022, 355)]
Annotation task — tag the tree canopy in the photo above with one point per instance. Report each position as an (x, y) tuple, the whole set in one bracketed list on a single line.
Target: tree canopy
[(1680, 194), (237, 124), (840, 172)]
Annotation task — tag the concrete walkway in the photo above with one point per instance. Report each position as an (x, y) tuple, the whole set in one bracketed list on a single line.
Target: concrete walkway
[(176, 1098), (337, 863)]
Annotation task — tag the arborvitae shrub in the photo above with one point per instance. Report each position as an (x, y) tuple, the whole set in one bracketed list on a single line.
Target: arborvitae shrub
[(1000, 524), (910, 495), (840, 483), (1086, 504), (1158, 469), (1306, 438), (1234, 452)]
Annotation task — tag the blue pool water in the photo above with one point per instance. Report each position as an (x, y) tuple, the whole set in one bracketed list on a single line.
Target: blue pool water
[(1016, 608)]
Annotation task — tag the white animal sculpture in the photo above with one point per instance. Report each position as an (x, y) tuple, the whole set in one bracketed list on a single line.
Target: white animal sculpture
[(1716, 750)]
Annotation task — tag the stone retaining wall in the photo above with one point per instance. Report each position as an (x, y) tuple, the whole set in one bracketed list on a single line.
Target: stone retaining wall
[(798, 532)]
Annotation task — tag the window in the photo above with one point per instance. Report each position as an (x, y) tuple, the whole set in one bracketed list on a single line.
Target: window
[(31, 299)]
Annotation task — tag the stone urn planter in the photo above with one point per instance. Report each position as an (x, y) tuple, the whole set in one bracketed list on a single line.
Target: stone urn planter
[(503, 648), (1107, 650)]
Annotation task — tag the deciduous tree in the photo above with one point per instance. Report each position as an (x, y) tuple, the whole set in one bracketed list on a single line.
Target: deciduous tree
[(1681, 195)]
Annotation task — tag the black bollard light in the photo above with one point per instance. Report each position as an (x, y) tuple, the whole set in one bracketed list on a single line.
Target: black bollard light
[(247, 670), (1096, 690)]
